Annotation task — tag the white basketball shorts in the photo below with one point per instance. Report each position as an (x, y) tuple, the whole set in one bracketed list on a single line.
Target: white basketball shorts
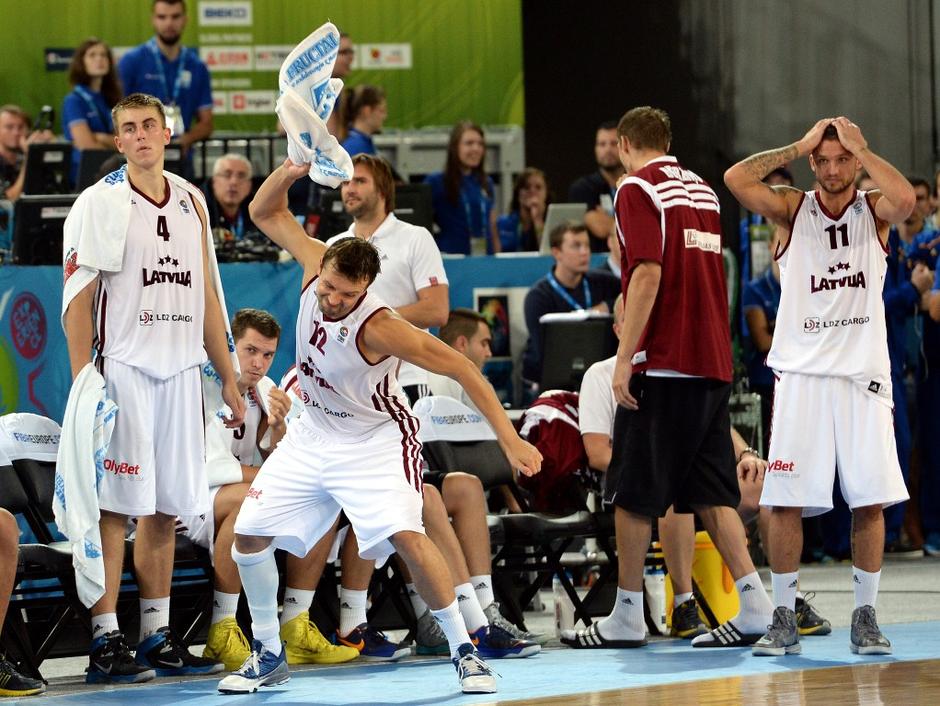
[(156, 459), (308, 479), (201, 528), (822, 423)]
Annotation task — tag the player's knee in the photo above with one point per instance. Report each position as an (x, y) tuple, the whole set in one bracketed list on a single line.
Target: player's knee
[(409, 543), (248, 550)]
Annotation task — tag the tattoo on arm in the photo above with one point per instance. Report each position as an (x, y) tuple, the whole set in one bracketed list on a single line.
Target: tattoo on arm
[(762, 163)]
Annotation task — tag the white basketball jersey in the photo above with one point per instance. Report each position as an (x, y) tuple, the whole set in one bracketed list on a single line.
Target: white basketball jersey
[(150, 314), (345, 396), (245, 437), (831, 319)]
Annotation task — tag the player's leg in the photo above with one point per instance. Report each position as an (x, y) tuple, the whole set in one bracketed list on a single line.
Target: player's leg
[(677, 537)]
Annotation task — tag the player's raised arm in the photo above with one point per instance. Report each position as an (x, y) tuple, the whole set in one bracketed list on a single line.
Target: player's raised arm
[(745, 179), (897, 198), (389, 334), (268, 210)]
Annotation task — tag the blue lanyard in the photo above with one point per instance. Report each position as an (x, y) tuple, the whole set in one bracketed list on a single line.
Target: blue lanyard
[(567, 297), (466, 208), (172, 99), (87, 97)]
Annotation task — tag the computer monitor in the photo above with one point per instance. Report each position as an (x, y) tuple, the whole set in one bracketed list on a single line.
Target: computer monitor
[(89, 163), (37, 228), (571, 343), (413, 204), (557, 214), (173, 159), (333, 216), (47, 168)]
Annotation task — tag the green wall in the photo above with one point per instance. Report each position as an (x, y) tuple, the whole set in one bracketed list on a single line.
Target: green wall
[(466, 54)]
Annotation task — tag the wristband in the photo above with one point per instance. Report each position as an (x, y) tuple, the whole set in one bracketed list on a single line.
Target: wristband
[(748, 450)]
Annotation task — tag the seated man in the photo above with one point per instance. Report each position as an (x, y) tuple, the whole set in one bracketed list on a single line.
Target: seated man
[(677, 531), (230, 471), (228, 197), (468, 333), (568, 287), (12, 683), (15, 139)]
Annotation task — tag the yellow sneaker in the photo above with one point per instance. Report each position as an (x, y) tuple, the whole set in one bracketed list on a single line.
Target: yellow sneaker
[(227, 643), (306, 645)]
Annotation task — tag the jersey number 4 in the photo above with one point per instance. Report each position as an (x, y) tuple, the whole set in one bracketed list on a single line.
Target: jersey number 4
[(162, 230), (843, 231)]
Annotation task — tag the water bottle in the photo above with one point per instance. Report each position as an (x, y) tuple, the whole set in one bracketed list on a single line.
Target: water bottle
[(654, 581), (564, 610)]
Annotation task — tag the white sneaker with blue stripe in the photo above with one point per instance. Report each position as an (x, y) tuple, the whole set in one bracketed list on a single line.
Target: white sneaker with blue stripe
[(262, 668)]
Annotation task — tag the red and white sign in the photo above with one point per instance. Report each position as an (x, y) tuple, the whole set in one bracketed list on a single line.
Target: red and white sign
[(227, 58), (383, 56), (219, 102), (252, 102), (269, 57)]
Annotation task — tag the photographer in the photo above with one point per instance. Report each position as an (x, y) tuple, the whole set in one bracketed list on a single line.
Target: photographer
[(15, 139)]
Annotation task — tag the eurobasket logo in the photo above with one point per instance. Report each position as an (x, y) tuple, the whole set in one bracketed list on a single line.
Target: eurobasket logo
[(225, 14), (28, 325), (811, 324)]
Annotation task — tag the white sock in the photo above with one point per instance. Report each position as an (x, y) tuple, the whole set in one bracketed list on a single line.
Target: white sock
[(102, 624), (258, 572), (296, 601), (452, 624), (154, 614), (625, 621), (756, 607), (473, 616), (682, 598), (352, 610), (417, 602), (785, 586), (483, 587), (224, 605), (866, 586)]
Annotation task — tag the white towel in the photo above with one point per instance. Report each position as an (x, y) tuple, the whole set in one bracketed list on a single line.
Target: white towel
[(95, 233), (446, 419), (86, 433), (308, 68), (24, 435)]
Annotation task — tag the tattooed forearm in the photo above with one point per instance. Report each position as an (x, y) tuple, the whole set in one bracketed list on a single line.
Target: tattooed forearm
[(763, 163)]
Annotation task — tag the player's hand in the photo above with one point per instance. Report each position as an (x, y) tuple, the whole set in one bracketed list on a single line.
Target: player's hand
[(623, 372), (922, 278), (751, 469), (850, 135), (278, 407), (813, 137), (232, 397), (523, 456), (295, 171)]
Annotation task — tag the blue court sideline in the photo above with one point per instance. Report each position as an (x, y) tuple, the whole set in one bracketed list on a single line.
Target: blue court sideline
[(555, 672)]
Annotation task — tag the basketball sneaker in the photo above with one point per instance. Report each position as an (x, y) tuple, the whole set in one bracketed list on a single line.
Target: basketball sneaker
[(474, 675), (226, 643), (866, 637), (494, 617), (782, 637), (165, 654), (305, 644), (492, 642), (372, 644), (262, 668), (429, 638), (12, 683), (686, 621), (111, 662), (808, 621)]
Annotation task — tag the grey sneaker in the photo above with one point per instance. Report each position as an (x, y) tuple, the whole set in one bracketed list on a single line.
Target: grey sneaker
[(494, 617), (430, 639), (866, 636), (782, 636)]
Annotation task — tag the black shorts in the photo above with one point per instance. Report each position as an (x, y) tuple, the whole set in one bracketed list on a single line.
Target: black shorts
[(676, 448)]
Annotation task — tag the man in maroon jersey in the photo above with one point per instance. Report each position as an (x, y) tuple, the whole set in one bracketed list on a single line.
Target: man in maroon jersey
[(672, 381)]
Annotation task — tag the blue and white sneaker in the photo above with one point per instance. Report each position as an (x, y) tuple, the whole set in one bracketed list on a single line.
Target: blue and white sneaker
[(492, 642), (262, 668), (473, 673), (932, 544), (372, 644), (168, 657)]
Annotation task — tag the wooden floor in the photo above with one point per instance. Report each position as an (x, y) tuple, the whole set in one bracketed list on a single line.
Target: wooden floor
[(889, 683)]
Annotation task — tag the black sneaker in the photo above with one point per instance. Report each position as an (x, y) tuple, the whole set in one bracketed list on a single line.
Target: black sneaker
[(686, 622), (808, 621), (164, 653), (12, 683), (111, 661)]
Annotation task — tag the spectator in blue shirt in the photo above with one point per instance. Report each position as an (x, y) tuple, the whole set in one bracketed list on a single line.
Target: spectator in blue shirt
[(463, 195), (86, 111), (367, 109), (521, 228), (175, 74)]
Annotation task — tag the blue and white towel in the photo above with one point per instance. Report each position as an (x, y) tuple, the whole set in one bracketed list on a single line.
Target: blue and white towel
[(25, 435)]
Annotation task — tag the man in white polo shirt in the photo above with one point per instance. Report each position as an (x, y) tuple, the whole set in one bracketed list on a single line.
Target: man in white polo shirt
[(412, 279)]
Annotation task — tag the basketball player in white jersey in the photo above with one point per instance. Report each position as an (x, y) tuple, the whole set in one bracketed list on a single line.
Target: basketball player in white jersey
[(832, 399), (354, 448), (152, 323)]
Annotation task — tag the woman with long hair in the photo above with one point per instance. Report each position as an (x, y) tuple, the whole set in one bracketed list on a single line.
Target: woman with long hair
[(86, 111), (463, 195), (521, 228), (367, 110)]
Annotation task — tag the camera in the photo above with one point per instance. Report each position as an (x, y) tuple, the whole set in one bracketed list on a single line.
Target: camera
[(45, 119)]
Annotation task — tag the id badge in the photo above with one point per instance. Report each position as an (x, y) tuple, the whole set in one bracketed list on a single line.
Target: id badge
[(174, 120)]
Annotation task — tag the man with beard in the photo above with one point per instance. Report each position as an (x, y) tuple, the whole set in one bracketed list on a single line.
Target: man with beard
[(175, 74), (832, 400), (597, 189)]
